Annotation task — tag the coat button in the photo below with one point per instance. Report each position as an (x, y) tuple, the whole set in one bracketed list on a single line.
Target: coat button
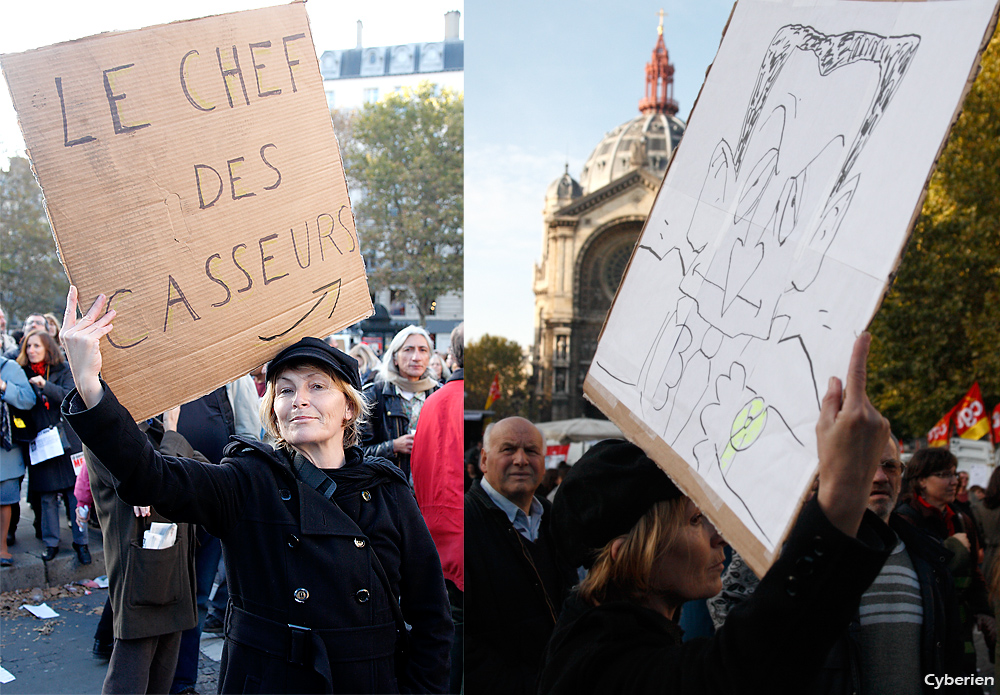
[(805, 565), (285, 494), (360, 542), (366, 496), (362, 596), (293, 540), (301, 595), (792, 586)]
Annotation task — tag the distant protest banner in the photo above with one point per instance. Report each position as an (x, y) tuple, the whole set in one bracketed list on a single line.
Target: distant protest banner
[(191, 174), (773, 239)]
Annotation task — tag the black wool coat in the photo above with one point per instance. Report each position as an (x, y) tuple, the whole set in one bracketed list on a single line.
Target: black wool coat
[(308, 612), (57, 473), (509, 615), (774, 642)]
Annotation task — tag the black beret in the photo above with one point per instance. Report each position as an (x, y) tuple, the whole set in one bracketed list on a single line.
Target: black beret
[(316, 351), (603, 496)]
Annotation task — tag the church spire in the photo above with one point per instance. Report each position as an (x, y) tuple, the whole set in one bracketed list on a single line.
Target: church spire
[(659, 79)]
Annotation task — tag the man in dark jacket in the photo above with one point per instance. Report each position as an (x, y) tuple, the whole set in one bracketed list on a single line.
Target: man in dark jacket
[(152, 590), (396, 397), (516, 583), (909, 610)]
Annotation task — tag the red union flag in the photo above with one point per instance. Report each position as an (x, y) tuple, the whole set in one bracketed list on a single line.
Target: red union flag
[(995, 419), (970, 415), (494, 394), (938, 436)]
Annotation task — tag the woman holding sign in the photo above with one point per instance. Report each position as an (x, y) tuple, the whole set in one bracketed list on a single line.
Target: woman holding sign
[(649, 549), (51, 470), (327, 557)]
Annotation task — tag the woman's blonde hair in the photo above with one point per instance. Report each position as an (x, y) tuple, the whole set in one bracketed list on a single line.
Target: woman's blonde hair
[(627, 576), (357, 405)]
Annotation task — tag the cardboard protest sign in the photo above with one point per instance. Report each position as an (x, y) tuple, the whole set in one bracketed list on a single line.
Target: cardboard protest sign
[(772, 241), (191, 173)]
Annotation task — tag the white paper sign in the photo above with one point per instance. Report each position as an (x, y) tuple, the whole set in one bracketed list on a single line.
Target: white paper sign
[(47, 445), (771, 242)]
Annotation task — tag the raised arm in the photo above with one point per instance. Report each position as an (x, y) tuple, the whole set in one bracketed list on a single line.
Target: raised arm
[(850, 434)]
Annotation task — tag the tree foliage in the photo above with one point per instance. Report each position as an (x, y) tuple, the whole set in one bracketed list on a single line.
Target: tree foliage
[(484, 359), (31, 277), (938, 330), (404, 156)]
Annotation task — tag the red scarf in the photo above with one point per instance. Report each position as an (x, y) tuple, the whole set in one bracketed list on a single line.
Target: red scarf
[(41, 369), (947, 515)]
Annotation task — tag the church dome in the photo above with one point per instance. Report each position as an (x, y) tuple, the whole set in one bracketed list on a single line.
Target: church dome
[(562, 191), (649, 141)]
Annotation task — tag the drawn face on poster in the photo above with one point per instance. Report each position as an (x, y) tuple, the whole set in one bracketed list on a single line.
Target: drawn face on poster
[(727, 376)]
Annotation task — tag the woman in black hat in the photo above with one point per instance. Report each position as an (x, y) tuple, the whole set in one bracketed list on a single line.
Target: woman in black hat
[(649, 549), (327, 556)]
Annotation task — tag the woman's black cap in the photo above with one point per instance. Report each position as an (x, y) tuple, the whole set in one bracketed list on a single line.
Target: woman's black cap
[(316, 351), (603, 496)]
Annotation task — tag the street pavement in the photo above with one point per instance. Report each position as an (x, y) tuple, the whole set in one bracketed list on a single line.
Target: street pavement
[(54, 655), (29, 570)]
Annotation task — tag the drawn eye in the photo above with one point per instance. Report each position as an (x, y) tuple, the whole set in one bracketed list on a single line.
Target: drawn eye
[(756, 184), (788, 209)]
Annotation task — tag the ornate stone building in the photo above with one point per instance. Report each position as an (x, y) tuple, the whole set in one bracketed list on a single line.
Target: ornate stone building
[(590, 229)]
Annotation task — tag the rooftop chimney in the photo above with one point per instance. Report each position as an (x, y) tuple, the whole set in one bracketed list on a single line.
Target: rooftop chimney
[(359, 33), (451, 20)]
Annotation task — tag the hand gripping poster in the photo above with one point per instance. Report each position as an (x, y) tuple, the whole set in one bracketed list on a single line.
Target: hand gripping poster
[(773, 239)]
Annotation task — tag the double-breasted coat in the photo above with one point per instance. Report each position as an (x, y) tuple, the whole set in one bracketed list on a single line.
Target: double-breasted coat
[(308, 611)]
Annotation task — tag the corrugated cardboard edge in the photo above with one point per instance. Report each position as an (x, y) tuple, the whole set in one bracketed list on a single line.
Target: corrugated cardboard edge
[(750, 549)]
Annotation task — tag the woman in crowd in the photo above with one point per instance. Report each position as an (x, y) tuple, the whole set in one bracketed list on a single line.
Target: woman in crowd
[(15, 391), (52, 326), (649, 549), (327, 556), (368, 361), (439, 370), (929, 484), (50, 376)]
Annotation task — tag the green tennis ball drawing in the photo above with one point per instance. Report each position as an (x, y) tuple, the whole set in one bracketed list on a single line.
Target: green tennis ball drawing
[(747, 426)]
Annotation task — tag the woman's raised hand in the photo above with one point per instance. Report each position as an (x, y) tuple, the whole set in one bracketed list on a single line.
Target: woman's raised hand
[(82, 341), (851, 435)]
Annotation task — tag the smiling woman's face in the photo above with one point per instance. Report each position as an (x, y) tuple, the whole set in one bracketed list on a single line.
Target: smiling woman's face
[(309, 406), (35, 350)]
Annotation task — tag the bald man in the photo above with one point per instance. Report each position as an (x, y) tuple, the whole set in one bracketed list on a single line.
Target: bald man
[(515, 584)]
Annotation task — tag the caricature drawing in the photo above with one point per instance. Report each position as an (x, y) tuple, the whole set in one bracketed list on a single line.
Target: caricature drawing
[(769, 209)]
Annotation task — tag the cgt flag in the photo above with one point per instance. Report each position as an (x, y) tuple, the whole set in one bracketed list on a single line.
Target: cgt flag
[(938, 436), (494, 394), (970, 415), (995, 419)]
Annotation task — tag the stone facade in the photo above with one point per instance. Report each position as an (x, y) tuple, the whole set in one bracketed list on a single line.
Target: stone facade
[(591, 228)]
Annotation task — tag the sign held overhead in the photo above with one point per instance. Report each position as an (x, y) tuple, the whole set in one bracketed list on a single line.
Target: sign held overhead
[(772, 241), (191, 174)]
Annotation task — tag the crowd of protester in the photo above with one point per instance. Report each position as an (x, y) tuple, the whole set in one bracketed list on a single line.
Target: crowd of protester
[(317, 512), (291, 474)]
